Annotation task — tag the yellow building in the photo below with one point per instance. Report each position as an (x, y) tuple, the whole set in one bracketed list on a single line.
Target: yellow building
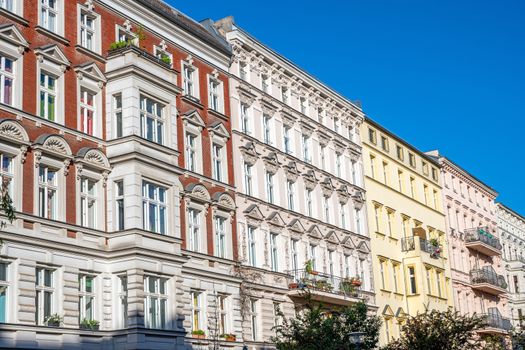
[(407, 229)]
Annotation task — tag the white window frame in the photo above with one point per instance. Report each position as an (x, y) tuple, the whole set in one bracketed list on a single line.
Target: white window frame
[(251, 233), (85, 198), (47, 188), (294, 255), (58, 11), (303, 105), (267, 129), (154, 300), (307, 156), (222, 235), (326, 209), (290, 194), (84, 296), (122, 306), (190, 80), (244, 71), (6, 290), (248, 179), (309, 203), (120, 218), (55, 70), (270, 187), (287, 139), (159, 206), (5, 75), (41, 290), (196, 224), (215, 93), (266, 83), (123, 34), (83, 29), (159, 51), (44, 89), (197, 309), (245, 118), (158, 120), (15, 52), (254, 319), (274, 256)]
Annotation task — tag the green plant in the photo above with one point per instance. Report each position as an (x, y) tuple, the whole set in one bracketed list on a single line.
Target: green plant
[(119, 44), (347, 287), (309, 266), (90, 324), (434, 242), (228, 336), (198, 332), (165, 58), (54, 319)]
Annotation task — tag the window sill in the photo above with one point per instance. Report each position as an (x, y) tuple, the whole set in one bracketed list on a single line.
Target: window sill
[(218, 114), (52, 35), (90, 53), (13, 16), (398, 294), (380, 234), (393, 238), (193, 100), (385, 290)]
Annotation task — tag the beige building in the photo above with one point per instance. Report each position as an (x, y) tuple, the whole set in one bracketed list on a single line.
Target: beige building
[(407, 229)]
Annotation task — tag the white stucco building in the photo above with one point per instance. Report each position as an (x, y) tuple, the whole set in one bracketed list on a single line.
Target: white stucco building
[(299, 179)]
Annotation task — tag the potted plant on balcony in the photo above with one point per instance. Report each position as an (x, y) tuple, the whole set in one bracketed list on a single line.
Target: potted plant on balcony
[(323, 285), (228, 337), (92, 325), (356, 281), (434, 247), (309, 267), (54, 320), (198, 334), (346, 286), (165, 59)]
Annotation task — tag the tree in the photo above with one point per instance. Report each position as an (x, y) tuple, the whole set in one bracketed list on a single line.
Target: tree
[(316, 328), (442, 330)]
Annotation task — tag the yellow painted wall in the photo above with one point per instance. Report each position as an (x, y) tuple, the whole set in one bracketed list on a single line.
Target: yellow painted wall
[(396, 204)]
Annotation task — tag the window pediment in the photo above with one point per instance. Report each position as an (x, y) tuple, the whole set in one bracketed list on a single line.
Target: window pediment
[(348, 243), (223, 200), (387, 312), (253, 212), (363, 248), (296, 226), (194, 118), (93, 157), (245, 95), (327, 187), (53, 54), (218, 129), (292, 173), (91, 71), (11, 130), (400, 313), (343, 194), (332, 237), (198, 193), (12, 35), (54, 144), (315, 232), (310, 180), (275, 219)]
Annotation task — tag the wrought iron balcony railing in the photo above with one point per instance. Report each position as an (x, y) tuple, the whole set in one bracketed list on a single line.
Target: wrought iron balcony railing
[(482, 234), (315, 281), (487, 275), (410, 243), (496, 321)]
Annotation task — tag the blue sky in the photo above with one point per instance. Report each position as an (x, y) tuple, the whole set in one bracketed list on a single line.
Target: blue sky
[(442, 74)]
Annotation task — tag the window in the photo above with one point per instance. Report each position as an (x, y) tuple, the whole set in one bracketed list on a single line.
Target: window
[(45, 290), (400, 153), (4, 286), (429, 280), (252, 258), (390, 222), (323, 157), (88, 202), (7, 78), (412, 187), (290, 194), (87, 30), (302, 102), (412, 280), (372, 166), (385, 173), (354, 173), (267, 129), (215, 91), (196, 311), (331, 263), (313, 256), (309, 204), (395, 274), (6, 173), (243, 71), (425, 168), (378, 214), (87, 111), (277, 320), (326, 207), (49, 14), (284, 94), (151, 119), (347, 272), (435, 198), (306, 149), (245, 119), (287, 140), (384, 143), (342, 215), (126, 35), (194, 229), (217, 162), (117, 113), (7, 4), (48, 96), (153, 207), (253, 318), (247, 179), (338, 165), (438, 283), (220, 237), (400, 179), (358, 221), (123, 298), (273, 252), (336, 125), (47, 192), (155, 302), (189, 83), (119, 205), (269, 187), (223, 313), (265, 83), (294, 254), (382, 264), (372, 136), (191, 152), (163, 55), (425, 193), (86, 294), (412, 159), (434, 174)]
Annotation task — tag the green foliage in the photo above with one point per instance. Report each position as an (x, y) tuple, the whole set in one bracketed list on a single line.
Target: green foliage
[(119, 44), (317, 329), (198, 332), (54, 319), (89, 324), (165, 58), (309, 266), (440, 330)]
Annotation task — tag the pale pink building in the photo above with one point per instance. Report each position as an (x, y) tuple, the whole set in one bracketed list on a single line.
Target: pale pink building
[(477, 270)]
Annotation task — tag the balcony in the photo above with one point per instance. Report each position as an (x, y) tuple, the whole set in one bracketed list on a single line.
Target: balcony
[(488, 281), (495, 324), (479, 239), (323, 287), (410, 243)]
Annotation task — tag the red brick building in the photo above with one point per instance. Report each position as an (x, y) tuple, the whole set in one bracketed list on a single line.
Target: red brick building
[(115, 144)]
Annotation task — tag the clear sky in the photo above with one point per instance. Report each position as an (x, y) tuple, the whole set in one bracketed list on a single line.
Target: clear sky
[(443, 74)]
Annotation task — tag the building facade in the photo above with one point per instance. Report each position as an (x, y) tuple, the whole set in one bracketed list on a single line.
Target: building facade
[(115, 144), (474, 246), (511, 229), (297, 167), (407, 229)]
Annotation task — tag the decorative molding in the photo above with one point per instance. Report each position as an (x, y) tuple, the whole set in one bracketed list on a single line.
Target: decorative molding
[(11, 34), (292, 173), (218, 129), (249, 153), (271, 162), (53, 54)]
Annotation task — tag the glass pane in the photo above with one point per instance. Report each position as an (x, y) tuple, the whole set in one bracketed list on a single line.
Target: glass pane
[(51, 107), (47, 304), (48, 278), (42, 104), (163, 313), (50, 83), (162, 286), (3, 272), (6, 163), (8, 87), (151, 284), (162, 219), (152, 217), (2, 306), (149, 129), (89, 308), (88, 284)]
